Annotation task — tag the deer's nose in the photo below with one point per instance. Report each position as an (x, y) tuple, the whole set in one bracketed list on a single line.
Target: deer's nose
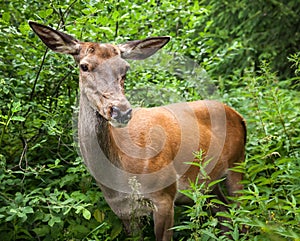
[(122, 117)]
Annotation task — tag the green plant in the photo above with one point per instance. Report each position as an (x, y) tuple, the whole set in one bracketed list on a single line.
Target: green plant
[(201, 222), (269, 203), (270, 199)]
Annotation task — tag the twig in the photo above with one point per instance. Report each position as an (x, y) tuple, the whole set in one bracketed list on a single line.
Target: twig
[(38, 74), (55, 93), (23, 155), (117, 29), (68, 9)]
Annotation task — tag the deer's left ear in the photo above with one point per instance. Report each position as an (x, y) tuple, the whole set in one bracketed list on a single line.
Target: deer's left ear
[(56, 40), (141, 49)]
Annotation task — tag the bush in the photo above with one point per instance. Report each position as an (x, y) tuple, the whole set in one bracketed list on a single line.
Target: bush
[(269, 203)]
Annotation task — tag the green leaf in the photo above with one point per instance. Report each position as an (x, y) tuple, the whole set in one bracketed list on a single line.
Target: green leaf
[(42, 231), (107, 29), (86, 214), (6, 16), (116, 230), (53, 220), (23, 216), (28, 210), (18, 118), (216, 182), (45, 13), (217, 201), (77, 228), (16, 106), (99, 216)]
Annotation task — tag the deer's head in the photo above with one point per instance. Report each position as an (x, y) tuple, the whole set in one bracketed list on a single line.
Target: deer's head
[(102, 68)]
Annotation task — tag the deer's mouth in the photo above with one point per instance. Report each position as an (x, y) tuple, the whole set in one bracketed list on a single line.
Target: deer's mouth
[(119, 118), (117, 112)]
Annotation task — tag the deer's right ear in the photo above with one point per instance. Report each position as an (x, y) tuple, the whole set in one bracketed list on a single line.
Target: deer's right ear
[(142, 49), (56, 40)]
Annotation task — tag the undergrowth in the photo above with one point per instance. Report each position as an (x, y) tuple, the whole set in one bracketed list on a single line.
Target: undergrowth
[(270, 201)]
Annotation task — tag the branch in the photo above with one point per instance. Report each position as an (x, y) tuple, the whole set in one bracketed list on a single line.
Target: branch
[(38, 75)]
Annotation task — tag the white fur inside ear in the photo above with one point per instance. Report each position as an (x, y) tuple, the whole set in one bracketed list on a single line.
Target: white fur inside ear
[(123, 49), (68, 49), (152, 43), (141, 49)]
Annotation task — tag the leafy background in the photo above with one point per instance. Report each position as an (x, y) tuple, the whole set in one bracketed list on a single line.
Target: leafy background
[(250, 52)]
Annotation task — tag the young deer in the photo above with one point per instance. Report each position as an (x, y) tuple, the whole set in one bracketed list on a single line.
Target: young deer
[(151, 145)]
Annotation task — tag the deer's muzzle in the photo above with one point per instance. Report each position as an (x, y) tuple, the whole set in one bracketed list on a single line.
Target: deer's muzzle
[(120, 118)]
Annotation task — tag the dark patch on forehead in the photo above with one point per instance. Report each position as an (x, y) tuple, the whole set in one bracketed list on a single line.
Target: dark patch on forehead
[(103, 51), (106, 51)]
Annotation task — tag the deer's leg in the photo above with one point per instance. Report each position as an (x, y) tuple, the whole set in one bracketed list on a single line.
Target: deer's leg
[(233, 182), (220, 208), (232, 185), (133, 228), (163, 214), (127, 227), (219, 193), (163, 220)]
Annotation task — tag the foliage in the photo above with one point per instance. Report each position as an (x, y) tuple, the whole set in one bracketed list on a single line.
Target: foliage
[(201, 224), (249, 50), (271, 198), (269, 203), (234, 35)]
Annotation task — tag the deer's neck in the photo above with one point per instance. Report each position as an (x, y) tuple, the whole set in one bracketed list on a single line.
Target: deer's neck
[(105, 139), (95, 135)]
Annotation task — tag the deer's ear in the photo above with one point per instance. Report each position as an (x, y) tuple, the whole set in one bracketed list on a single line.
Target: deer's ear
[(56, 40), (141, 49)]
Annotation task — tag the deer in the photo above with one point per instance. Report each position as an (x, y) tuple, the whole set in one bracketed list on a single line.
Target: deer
[(154, 146)]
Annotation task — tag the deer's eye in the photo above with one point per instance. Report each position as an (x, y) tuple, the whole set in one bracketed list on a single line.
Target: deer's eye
[(84, 67)]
